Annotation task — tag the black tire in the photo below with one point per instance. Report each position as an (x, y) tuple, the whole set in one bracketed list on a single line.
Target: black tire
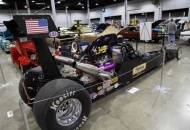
[(7, 52), (189, 41), (156, 41), (130, 39), (179, 53), (62, 90), (22, 93)]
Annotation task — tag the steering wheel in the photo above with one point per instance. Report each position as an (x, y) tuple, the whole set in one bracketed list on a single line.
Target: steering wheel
[(128, 51)]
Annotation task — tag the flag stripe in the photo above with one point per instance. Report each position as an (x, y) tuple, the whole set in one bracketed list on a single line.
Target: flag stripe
[(37, 26)]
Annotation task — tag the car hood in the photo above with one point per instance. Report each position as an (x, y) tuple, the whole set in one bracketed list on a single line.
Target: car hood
[(185, 32), (156, 23), (29, 45)]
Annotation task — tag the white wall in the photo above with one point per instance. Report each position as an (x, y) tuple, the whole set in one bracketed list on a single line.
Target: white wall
[(60, 21), (175, 4), (139, 6)]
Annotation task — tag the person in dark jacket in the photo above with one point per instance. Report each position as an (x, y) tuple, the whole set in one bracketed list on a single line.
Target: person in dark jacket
[(171, 29)]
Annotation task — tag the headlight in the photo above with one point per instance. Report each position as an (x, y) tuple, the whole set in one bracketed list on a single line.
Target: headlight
[(7, 43), (33, 57)]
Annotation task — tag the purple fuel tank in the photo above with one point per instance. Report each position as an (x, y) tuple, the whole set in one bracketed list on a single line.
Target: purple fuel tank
[(108, 66)]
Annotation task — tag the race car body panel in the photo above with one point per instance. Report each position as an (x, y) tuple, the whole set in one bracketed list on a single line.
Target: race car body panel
[(185, 36)]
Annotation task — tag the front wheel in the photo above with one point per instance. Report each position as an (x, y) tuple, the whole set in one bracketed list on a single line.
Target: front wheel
[(62, 105)]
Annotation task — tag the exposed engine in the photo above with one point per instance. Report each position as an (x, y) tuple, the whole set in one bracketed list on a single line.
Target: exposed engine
[(103, 62)]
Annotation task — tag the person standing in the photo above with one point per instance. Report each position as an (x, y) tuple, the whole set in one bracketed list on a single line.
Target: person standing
[(171, 29)]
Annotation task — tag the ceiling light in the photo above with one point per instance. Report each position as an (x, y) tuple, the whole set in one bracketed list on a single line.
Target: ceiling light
[(79, 3), (2, 3), (83, 7), (48, 7), (33, 1), (40, 3), (115, 0), (67, 7), (58, 2), (96, 3)]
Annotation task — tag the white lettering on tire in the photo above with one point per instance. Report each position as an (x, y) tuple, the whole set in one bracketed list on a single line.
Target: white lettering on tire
[(84, 119), (56, 103)]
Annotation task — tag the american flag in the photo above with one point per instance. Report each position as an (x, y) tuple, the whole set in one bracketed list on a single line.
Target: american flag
[(37, 26)]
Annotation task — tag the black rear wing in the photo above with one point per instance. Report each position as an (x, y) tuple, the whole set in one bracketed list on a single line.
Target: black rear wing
[(21, 25)]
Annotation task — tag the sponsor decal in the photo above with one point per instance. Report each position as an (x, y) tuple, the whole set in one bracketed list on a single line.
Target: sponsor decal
[(109, 88), (100, 88), (100, 50), (93, 95), (139, 69), (84, 119), (101, 92), (114, 80), (54, 34), (56, 103), (106, 83)]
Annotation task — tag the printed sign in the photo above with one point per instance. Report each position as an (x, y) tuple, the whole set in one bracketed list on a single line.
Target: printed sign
[(132, 90), (54, 34), (146, 31), (10, 114), (139, 69)]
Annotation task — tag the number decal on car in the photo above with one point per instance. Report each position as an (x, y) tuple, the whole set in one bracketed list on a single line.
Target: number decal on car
[(100, 50)]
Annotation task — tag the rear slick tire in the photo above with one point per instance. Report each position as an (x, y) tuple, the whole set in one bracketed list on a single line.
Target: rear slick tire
[(68, 110)]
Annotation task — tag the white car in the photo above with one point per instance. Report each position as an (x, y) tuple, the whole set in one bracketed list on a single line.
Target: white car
[(185, 36)]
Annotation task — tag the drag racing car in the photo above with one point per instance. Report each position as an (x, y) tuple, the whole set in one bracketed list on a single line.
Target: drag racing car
[(6, 41), (62, 102)]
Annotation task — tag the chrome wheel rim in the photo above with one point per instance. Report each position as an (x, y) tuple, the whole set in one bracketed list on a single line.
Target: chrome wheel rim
[(69, 112)]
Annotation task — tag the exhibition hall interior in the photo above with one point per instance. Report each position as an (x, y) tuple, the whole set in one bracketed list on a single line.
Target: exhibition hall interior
[(94, 64)]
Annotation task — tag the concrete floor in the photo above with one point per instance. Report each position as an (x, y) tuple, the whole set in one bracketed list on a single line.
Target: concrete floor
[(151, 108)]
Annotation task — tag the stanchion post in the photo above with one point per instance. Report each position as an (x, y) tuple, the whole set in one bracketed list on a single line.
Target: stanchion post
[(163, 65), (21, 104), (163, 39), (136, 45)]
